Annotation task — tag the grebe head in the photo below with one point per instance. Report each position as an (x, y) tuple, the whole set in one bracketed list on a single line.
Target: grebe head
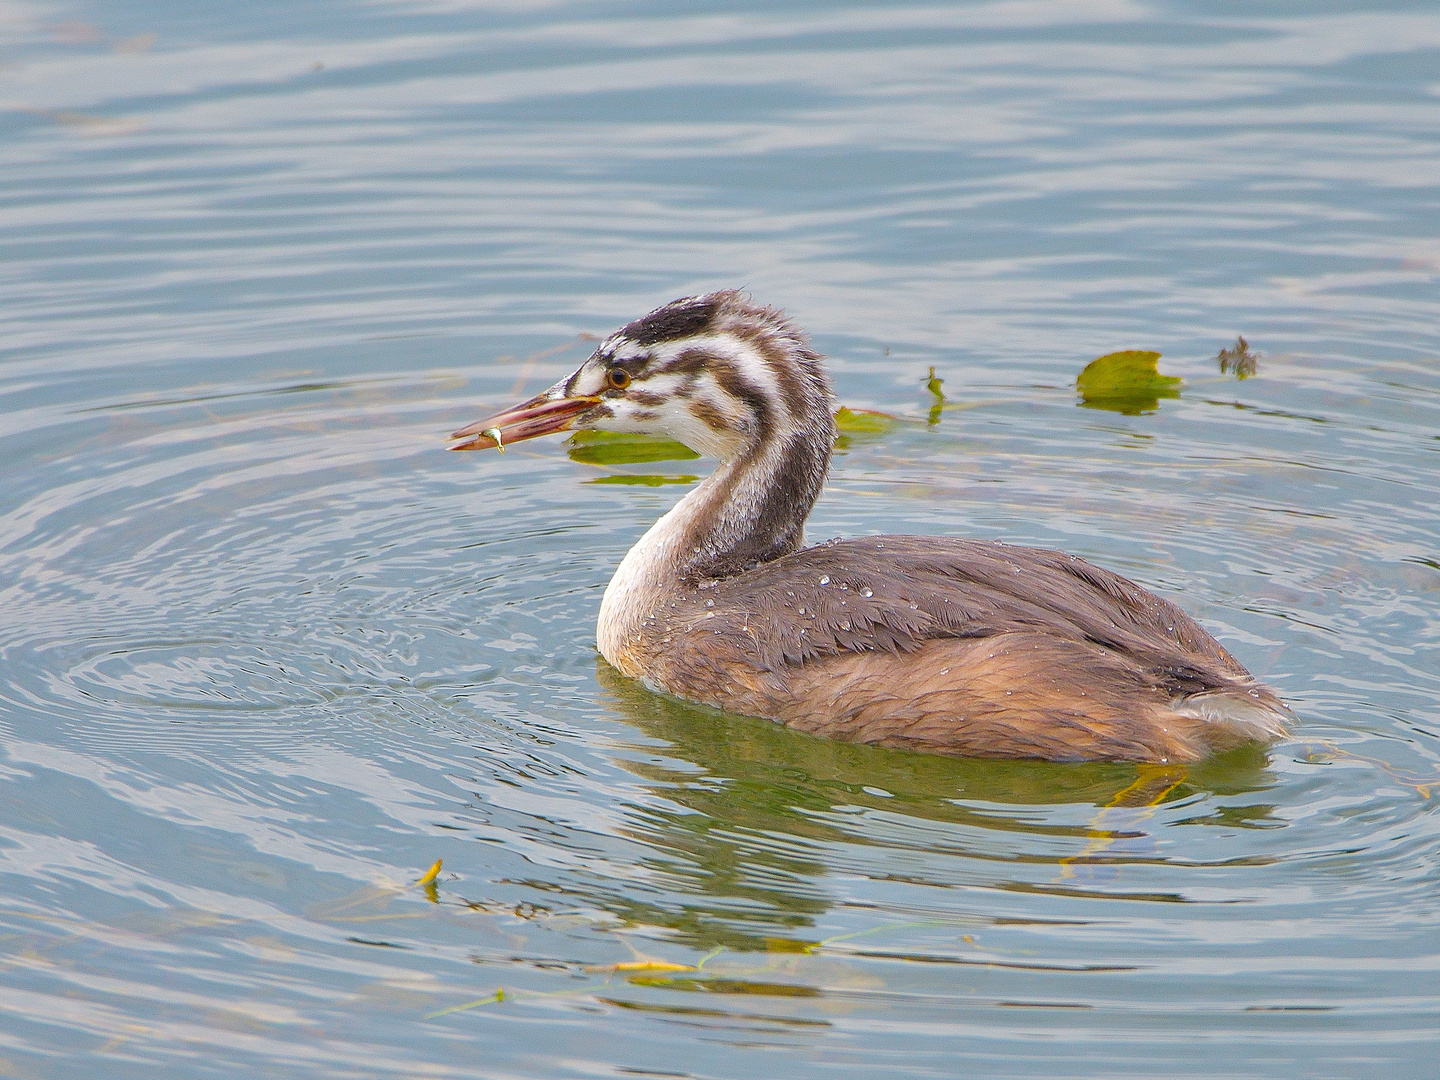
[(718, 373)]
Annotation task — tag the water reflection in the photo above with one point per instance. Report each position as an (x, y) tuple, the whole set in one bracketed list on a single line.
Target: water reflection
[(760, 811)]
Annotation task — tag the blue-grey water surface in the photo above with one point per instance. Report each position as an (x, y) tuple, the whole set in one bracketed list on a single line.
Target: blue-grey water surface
[(267, 651)]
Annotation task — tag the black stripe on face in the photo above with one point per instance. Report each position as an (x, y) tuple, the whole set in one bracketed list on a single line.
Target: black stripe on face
[(710, 416), (735, 384), (693, 363), (632, 364), (688, 362)]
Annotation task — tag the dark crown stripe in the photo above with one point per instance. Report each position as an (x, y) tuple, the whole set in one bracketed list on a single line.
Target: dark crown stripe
[(677, 319)]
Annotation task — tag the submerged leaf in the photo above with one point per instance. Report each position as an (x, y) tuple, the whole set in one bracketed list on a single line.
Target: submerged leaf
[(729, 986), (1126, 382), (492, 999), (1239, 359), (789, 945), (616, 448)]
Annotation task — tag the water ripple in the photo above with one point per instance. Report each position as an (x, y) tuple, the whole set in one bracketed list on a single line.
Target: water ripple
[(269, 652)]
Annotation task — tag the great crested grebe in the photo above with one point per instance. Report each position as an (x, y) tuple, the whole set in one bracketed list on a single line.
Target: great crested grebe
[(934, 643)]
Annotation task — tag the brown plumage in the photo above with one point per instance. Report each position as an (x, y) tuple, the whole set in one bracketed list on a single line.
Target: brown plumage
[(934, 643)]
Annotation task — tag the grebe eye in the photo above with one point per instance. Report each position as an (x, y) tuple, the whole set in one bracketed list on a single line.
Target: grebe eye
[(617, 378)]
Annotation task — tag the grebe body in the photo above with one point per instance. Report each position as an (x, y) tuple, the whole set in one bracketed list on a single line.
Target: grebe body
[(934, 643)]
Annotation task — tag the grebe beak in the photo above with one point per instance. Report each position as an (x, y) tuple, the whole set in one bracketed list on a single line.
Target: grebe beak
[(542, 415)]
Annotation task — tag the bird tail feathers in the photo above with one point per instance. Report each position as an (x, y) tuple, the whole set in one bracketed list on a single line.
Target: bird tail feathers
[(1249, 712)]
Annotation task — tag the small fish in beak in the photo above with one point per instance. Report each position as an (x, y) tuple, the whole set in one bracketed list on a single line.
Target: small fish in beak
[(542, 415)]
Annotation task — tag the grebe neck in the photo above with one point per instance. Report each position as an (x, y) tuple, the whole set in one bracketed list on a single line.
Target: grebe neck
[(750, 510)]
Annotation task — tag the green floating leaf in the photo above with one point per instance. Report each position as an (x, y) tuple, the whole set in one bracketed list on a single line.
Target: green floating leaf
[(862, 421), (617, 448), (1126, 382), (643, 480), (936, 386)]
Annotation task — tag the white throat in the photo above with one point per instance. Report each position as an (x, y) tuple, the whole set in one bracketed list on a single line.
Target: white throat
[(729, 512), (638, 585)]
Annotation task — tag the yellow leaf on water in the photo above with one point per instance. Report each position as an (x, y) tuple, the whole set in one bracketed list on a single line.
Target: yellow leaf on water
[(1126, 382), (643, 965), (862, 421), (380, 895)]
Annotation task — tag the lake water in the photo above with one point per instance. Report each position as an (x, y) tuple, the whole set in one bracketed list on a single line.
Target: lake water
[(267, 652)]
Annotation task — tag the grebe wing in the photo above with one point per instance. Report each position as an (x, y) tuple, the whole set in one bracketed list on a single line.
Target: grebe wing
[(963, 647), (895, 593)]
